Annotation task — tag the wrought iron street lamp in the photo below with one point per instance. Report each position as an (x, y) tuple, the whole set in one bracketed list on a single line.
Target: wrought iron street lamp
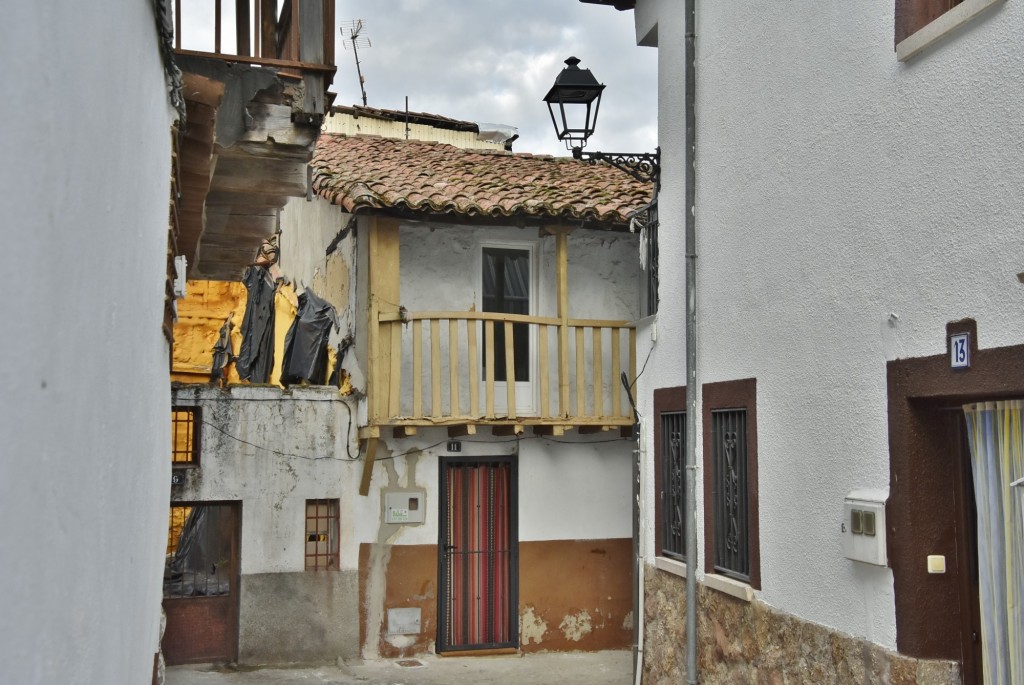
[(574, 102)]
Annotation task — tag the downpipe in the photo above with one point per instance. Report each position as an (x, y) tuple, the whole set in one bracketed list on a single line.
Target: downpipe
[(691, 345)]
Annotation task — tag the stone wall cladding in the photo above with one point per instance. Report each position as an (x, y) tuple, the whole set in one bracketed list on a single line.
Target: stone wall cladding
[(741, 642)]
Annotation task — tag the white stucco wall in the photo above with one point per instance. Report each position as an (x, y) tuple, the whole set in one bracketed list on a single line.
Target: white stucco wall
[(84, 473), (835, 187)]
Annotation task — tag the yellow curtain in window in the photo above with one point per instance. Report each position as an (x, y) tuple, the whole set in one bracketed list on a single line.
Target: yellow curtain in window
[(996, 438)]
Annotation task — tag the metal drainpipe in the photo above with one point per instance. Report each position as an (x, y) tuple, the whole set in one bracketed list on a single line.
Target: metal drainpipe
[(691, 349)]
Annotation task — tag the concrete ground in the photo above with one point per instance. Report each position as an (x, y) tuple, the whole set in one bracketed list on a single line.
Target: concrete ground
[(566, 668)]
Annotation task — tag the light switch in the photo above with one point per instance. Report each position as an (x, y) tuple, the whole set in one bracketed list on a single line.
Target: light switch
[(936, 563)]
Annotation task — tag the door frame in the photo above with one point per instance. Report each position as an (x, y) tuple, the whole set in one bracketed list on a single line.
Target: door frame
[(921, 517), (513, 534)]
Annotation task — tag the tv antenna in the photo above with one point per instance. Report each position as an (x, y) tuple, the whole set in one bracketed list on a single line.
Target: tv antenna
[(356, 39)]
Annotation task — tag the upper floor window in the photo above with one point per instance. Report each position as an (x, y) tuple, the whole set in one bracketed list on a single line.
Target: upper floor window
[(185, 436), (506, 289), (920, 23)]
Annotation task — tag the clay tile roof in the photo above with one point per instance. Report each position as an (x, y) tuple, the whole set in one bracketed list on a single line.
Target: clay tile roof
[(362, 173)]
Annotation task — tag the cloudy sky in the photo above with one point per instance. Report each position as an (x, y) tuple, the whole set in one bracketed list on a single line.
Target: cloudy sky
[(493, 60)]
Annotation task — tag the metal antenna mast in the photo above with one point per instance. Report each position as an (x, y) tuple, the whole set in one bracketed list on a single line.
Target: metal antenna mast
[(356, 40)]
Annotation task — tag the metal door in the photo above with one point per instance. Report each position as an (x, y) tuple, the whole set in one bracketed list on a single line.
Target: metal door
[(478, 560), (201, 583)]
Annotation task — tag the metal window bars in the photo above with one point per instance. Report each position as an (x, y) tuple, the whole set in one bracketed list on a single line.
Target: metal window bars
[(730, 503)]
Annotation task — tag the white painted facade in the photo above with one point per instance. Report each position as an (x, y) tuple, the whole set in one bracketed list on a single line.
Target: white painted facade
[(84, 183), (848, 206)]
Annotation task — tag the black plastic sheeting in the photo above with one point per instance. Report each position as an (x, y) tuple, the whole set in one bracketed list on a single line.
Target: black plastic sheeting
[(222, 352), (305, 346), (256, 358)]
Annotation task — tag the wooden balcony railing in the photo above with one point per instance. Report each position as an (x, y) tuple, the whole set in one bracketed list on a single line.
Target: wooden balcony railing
[(438, 368), (300, 36)]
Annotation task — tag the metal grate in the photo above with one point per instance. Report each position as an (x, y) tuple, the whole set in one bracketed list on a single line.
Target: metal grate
[(729, 459), (673, 439), (184, 437), (321, 534)]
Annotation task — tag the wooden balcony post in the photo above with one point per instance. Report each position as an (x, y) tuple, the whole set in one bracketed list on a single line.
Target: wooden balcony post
[(384, 299), (562, 275), (242, 28), (268, 29)]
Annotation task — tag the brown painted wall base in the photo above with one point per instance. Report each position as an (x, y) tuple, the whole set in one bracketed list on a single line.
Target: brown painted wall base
[(573, 595), (750, 642)]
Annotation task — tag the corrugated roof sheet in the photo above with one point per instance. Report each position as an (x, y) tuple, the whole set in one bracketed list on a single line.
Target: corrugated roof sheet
[(361, 173)]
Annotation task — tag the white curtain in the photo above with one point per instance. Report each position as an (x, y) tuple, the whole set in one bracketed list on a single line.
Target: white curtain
[(997, 454)]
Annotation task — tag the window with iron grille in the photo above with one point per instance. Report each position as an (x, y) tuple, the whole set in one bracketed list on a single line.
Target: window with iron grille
[(185, 436), (731, 527), (321, 534), (673, 479), (729, 456)]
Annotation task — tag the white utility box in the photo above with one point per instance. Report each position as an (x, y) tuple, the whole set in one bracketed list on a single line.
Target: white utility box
[(863, 527), (404, 506)]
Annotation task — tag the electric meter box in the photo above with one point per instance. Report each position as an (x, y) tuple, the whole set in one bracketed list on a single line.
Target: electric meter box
[(404, 506), (863, 527)]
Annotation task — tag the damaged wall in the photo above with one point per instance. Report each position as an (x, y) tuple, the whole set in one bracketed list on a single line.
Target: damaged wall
[(575, 587), (272, 450)]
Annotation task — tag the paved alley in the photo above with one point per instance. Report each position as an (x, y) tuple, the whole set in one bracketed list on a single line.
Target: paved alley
[(592, 668)]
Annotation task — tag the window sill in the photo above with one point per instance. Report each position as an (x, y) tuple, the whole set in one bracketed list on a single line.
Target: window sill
[(676, 568), (938, 29), (728, 586)]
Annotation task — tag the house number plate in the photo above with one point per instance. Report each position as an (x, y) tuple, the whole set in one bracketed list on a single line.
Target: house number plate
[(960, 350)]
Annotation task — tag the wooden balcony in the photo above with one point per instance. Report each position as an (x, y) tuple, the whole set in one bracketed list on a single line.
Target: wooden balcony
[(438, 369), (256, 90)]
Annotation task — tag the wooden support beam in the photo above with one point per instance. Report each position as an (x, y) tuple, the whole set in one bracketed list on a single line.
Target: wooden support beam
[(581, 375), (510, 371), (474, 363), (562, 276), (435, 368), (417, 369), (509, 429), (554, 431), (384, 298), (589, 429), (616, 382), (453, 367), (404, 431), (598, 372), (371, 456), (542, 356), (367, 432), (489, 364), (461, 430)]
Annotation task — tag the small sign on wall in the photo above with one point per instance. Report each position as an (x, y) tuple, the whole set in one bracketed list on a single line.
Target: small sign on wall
[(960, 350)]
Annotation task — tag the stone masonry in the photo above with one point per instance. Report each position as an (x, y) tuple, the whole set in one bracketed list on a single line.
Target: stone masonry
[(752, 643)]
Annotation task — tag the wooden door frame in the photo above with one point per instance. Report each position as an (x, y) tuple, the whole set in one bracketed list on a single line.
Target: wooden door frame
[(919, 519)]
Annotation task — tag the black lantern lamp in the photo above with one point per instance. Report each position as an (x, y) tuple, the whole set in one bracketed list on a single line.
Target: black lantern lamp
[(579, 90), (573, 102)]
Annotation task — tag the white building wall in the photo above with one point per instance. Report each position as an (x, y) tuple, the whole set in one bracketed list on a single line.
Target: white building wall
[(836, 187), (85, 471)]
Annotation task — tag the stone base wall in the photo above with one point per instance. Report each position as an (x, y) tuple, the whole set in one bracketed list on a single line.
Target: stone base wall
[(304, 617), (751, 642)]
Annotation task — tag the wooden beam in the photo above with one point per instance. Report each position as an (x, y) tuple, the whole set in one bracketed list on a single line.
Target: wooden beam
[(453, 367), (508, 429), (404, 431), (555, 431), (371, 456), (435, 368), (616, 386), (367, 432), (598, 372), (542, 356), (510, 371), (562, 277), (474, 364), (417, 369), (384, 297), (461, 430), (581, 375), (395, 392), (489, 372)]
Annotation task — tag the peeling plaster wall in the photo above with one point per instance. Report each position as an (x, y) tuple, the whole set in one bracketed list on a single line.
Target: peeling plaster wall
[(85, 158), (831, 193), (574, 532), (286, 612)]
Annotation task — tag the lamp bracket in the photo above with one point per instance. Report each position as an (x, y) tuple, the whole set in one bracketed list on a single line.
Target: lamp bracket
[(643, 166)]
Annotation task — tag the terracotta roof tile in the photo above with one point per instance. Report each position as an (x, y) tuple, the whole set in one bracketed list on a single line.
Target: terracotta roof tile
[(370, 172)]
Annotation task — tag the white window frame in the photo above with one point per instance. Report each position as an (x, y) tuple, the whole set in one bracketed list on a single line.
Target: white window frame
[(527, 399)]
